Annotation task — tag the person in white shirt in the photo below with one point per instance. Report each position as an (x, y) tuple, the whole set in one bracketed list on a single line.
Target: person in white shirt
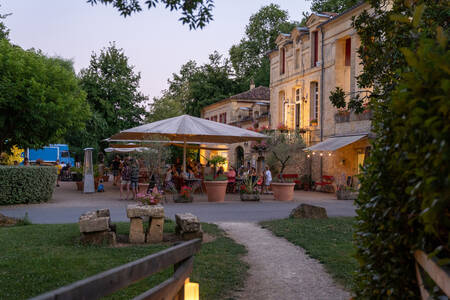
[(267, 179)]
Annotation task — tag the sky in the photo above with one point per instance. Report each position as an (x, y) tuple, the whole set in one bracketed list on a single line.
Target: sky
[(156, 43)]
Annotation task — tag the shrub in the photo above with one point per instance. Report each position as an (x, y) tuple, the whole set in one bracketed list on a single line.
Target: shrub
[(404, 202), (26, 184)]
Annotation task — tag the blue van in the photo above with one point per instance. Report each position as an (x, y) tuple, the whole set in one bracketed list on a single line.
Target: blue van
[(51, 153)]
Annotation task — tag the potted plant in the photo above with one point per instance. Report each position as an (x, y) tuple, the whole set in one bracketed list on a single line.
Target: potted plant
[(344, 192), (184, 196), (282, 148), (314, 122), (249, 190), (78, 177), (151, 199), (216, 187)]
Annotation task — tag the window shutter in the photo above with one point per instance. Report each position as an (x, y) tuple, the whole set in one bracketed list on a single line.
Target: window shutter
[(348, 54)]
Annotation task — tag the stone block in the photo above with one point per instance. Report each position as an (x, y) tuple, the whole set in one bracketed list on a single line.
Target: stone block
[(188, 222), (137, 210), (137, 234), (307, 211), (89, 224), (155, 231), (99, 238), (186, 236), (104, 212)]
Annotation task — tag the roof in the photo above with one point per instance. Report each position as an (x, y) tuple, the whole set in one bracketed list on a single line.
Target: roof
[(334, 143), (258, 93), (336, 16)]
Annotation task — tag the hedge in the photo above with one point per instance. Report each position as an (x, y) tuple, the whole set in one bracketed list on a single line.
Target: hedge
[(26, 184)]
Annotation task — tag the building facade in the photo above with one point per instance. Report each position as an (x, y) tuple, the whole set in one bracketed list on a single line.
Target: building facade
[(248, 110), (308, 64)]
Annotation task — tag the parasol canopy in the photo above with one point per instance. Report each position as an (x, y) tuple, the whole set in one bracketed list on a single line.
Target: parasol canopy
[(186, 128)]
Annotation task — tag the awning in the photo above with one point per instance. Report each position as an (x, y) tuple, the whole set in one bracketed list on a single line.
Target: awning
[(334, 143)]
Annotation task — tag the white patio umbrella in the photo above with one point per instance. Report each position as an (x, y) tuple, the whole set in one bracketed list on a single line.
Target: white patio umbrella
[(187, 129)]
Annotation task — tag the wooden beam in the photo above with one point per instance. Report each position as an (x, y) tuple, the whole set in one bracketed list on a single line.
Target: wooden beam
[(110, 281), (439, 275), (170, 288)]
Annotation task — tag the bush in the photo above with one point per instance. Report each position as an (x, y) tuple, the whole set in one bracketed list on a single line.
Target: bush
[(26, 184), (404, 202)]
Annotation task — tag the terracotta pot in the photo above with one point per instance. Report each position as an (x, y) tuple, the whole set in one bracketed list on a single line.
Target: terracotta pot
[(283, 191), (216, 190), (80, 185)]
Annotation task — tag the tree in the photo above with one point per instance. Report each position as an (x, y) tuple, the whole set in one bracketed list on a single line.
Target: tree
[(336, 6), (249, 57), (4, 31), (113, 94), (195, 13), (164, 107), (40, 98), (403, 204)]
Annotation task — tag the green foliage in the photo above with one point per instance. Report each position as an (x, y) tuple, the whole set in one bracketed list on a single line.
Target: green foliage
[(336, 6), (404, 199), (337, 98), (217, 160), (4, 31), (195, 13), (26, 184), (327, 240), (249, 57), (216, 178), (40, 98), (112, 88), (163, 108), (281, 149)]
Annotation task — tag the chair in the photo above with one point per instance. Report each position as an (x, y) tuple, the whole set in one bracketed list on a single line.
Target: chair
[(231, 186), (326, 181)]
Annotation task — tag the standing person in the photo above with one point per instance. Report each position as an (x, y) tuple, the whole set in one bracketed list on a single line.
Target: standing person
[(125, 180), (134, 177), (58, 168), (115, 169), (26, 162), (267, 179)]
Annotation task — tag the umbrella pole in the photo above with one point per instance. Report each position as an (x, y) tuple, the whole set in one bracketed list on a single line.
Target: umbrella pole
[(184, 157)]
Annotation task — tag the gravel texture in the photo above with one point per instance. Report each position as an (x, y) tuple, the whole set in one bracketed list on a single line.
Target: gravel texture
[(279, 269)]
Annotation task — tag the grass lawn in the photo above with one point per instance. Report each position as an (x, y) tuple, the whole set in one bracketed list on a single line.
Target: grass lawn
[(39, 258), (327, 240)]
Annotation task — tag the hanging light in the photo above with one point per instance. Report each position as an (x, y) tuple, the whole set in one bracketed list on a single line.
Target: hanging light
[(308, 156), (321, 154), (329, 154), (314, 153), (191, 290)]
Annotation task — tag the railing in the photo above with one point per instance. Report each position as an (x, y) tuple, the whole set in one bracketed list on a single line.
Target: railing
[(440, 276), (180, 256), (352, 116)]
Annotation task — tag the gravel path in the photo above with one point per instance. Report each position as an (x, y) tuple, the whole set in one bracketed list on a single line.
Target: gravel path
[(279, 269)]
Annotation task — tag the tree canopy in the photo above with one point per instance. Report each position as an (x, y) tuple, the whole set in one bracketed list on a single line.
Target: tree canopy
[(195, 13), (249, 57), (112, 88), (40, 98)]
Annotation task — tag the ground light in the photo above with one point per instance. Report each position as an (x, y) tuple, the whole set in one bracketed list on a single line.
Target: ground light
[(191, 290)]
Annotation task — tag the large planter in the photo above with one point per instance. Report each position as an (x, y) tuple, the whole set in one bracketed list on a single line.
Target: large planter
[(283, 191), (216, 190), (80, 185), (249, 197)]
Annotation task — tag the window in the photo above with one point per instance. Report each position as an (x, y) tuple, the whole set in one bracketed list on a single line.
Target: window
[(283, 61), (297, 108), (65, 154), (297, 58), (348, 53), (315, 101), (315, 48), (220, 118), (214, 118)]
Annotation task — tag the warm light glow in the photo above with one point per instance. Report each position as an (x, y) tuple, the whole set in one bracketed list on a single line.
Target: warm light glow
[(329, 154), (191, 290), (321, 154), (314, 153), (309, 156)]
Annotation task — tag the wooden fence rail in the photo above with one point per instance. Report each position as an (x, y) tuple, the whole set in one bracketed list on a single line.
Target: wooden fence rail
[(439, 275), (108, 282)]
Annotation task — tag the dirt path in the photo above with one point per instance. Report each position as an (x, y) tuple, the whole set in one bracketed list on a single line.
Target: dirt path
[(280, 270)]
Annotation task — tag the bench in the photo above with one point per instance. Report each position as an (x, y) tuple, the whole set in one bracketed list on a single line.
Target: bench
[(326, 181), (294, 178)]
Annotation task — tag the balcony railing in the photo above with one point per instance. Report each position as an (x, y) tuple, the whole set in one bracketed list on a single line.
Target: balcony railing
[(342, 117)]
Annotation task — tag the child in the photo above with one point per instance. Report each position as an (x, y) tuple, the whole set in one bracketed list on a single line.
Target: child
[(100, 188)]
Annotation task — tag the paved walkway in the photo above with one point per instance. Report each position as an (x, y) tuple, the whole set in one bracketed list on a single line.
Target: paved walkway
[(68, 204), (279, 269)]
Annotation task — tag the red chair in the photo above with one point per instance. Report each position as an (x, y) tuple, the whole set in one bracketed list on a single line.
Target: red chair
[(326, 180)]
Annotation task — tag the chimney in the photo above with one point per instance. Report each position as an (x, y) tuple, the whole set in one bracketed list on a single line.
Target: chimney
[(252, 84)]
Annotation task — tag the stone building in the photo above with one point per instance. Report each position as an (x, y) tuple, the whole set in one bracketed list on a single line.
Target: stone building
[(248, 110), (307, 65)]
